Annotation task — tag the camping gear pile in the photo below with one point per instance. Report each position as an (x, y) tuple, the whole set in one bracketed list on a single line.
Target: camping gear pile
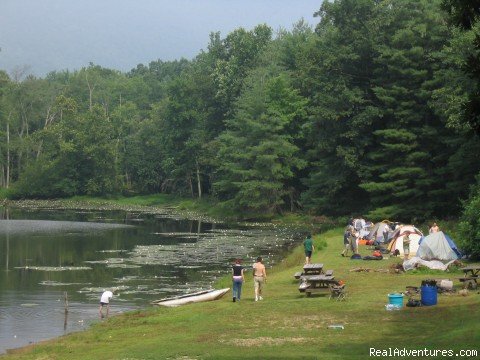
[(427, 292), (430, 251)]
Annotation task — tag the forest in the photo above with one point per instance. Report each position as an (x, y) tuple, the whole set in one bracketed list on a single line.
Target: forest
[(374, 110)]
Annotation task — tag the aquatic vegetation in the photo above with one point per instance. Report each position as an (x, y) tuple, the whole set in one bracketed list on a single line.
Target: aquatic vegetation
[(48, 227), (53, 268), (57, 283)]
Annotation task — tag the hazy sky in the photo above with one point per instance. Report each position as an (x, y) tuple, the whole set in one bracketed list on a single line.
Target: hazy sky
[(68, 34)]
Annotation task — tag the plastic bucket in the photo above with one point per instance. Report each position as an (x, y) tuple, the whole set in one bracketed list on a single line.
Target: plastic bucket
[(429, 295), (395, 300), (446, 284)]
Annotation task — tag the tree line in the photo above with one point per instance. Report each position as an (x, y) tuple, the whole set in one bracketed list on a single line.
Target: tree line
[(372, 111)]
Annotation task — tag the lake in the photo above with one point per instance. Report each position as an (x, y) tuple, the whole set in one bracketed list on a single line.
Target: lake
[(50, 258)]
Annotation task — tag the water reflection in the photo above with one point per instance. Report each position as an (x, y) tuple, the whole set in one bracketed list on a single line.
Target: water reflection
[(58, 257)]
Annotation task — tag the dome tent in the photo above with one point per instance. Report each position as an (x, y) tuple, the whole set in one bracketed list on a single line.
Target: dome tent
[(438, 246), (397, 239), (376, 234)]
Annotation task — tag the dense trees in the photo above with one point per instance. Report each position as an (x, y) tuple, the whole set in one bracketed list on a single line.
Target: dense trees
[(463, 95), (373, 111)]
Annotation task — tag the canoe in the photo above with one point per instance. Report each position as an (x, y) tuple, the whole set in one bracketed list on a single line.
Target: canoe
[(207, 295)]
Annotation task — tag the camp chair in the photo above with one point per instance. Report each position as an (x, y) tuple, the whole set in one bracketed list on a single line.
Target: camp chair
[(338, 292)]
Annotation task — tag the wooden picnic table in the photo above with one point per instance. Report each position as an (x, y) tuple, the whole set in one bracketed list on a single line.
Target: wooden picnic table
[(472, 271), (316, 283), (312, 269), (470, 279)]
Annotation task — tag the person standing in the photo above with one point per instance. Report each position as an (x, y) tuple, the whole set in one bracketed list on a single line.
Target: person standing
[(237, 280), (346, 240), (386, 230), (353, 240), (434, 228), (105, 302), (406, 245), (259, 278), (308, 247)]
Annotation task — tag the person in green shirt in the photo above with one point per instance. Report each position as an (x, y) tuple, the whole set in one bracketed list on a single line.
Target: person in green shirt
[(308, 247)]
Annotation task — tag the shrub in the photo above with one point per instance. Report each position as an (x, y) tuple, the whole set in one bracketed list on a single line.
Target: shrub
[(469, 227)]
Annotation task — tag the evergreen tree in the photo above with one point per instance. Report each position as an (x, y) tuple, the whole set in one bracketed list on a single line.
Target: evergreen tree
[(257, 156), (404, 165), (336, 76)]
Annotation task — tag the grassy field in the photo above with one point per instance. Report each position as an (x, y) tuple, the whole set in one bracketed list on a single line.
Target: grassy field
[(286, 324)]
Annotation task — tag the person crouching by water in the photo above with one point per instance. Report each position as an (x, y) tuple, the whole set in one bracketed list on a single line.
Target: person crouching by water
[(105, 302), (259, 278), (237, 279)]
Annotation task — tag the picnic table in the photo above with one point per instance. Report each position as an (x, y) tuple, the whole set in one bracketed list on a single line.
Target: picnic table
[(470, 279), (317, 284), (312, 269)]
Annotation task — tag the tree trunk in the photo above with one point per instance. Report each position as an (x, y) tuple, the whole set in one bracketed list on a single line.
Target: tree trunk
[(90, 95), (191, 185), (7, 182), (39, 150), (290, 193), (116, 161), (2, 177), (199, 183)]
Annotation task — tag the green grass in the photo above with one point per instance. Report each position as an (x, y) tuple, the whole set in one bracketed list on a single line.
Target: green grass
[(286, 324)]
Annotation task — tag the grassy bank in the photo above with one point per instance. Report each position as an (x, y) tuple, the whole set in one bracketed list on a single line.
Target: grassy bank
[(286, 325), (186, 207), (198, 209)]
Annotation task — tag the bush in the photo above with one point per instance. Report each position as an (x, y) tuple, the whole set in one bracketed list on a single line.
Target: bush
[(469, 227), (42, 179), (5, 193)]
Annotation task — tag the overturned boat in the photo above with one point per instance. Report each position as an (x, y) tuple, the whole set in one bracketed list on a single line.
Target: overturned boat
[(207, 295)]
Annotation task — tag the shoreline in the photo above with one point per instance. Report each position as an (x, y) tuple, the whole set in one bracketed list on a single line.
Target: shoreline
[(103, 206), (286, 324), (283, 323)]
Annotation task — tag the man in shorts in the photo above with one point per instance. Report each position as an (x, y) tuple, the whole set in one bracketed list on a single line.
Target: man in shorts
[(406, 245), (105, 301), (308, 247), (346, 240), (259, 278)]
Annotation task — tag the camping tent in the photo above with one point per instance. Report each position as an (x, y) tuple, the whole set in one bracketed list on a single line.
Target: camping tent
[(397, 239), (438, 246), (361, 226), (376, 234)]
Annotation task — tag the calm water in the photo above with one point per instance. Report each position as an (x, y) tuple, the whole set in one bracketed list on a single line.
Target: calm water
[(46, 255)]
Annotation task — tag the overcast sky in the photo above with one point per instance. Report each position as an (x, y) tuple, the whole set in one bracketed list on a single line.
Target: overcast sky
[(51, 35)]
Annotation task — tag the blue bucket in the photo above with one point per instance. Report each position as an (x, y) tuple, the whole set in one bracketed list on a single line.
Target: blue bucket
[(395, 300), (429, 295)]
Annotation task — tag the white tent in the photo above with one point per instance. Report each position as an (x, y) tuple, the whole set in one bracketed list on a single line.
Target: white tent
[(437, 246), (361, 226), (397, 240), (376, 234)]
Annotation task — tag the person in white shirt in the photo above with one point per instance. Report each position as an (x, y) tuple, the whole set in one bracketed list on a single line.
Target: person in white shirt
[(105, 301)]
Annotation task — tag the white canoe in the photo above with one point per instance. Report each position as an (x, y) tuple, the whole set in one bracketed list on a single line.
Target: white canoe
[(207, 295)]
